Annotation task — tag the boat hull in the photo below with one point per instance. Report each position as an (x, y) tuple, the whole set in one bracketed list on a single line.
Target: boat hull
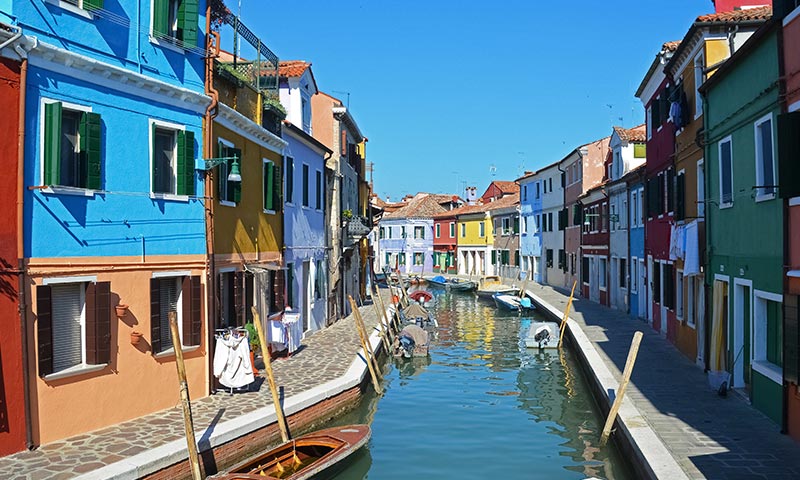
[(314, 455), (548, 339)]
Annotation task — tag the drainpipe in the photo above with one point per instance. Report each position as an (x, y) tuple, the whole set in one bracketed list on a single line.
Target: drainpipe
[(564, 235), (786, 234), (212, 52)]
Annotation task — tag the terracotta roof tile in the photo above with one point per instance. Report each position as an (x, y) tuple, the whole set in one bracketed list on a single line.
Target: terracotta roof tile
[(422, 207), (507, 201), (635, 134), (506, 186), (292, 68), (758, 13), (670, 46)]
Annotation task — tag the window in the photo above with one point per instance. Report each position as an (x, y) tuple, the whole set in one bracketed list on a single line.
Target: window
[(649, 121), (289, 189), (623, 273), (656, 282), (176, 21), (271, 189), (401, 258), (320, 278), (506, 226), (481, 229), (419, 258), (550, 184), (701, 189), (669, 286), (680, 196), (699, 78), (538, 193), (550, 222), (438, 230), (305, 185), (306, 111), (562, 259), (389, 231), (725, 173), (765, 166), (524, 193), (229, 192), (319, 190), (453, 230), (603, 272), (73, 325), (382, 232), (180, 295), (88, 5), (767, 342), (463, 230), (679, 295), (691, 306), (419, 232), (290, 284), (585, 270), (403, 232), (549, 258), (613, 213), (72, 147), (634, 207), (634, 276)]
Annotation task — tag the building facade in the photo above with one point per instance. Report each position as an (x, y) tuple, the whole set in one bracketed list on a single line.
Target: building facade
[(504, 214), (637, 277), (594, 245), (530, 241), (445, 243)]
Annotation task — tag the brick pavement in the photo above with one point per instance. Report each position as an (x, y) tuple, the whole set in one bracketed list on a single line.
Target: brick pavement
[(324, 357), (709, 436)]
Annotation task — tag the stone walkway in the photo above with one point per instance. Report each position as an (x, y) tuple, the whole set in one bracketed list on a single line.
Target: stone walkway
[(709, 436), (323, 357)]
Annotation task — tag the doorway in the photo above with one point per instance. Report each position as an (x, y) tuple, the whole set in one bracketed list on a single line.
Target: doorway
[(306, 293), (642, 297), (650, 289), (594, 279), (742, 315)]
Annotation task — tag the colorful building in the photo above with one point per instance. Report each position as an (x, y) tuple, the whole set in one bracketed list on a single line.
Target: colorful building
[(530, 241), (746, 219), (445, 243), (114, 211), (594, 245), (475, 240), (13, 412), (788, 129), (543, 216), (504, 214), (637, 278)]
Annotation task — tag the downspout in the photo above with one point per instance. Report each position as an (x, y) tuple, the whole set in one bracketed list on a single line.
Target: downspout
[(782, 101), (212, 52), (566, 222)]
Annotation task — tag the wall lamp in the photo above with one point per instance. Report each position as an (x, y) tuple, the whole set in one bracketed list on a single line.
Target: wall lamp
[(235, 174)]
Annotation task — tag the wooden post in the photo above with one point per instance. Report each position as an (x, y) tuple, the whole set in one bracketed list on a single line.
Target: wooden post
[(365, 346), (623, 384), (378, 315), (188, 424), (364, 336), (385, 316), (566, 314), (273, 387)]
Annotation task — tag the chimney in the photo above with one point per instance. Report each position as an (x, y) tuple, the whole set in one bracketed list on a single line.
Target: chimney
[(471, 195)]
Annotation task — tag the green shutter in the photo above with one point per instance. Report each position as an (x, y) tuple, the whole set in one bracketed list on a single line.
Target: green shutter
[(154, 156), (185, 163), (90, 139), (277, 189), (187, 22), (235, 188), (494, 257), (305, 185), (269, 186), (789, 154), (160, 17), (516, 225), (92, 4), (52, 143), (222, 151)]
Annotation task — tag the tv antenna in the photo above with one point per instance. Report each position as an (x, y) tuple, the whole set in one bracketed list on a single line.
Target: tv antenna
[(493, 170)]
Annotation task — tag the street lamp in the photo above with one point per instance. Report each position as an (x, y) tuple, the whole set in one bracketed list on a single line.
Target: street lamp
[(235, 174)]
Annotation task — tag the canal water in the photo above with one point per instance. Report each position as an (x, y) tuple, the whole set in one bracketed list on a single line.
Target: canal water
[(482, 406)]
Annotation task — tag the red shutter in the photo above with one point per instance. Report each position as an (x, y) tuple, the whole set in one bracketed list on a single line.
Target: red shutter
[(279, 289), (44, 328), (155, 315), (98, 323)]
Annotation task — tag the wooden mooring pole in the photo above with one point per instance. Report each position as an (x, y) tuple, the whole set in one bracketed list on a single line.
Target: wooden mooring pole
[(188, 424), (566, 314), (273, 387), (623, 384), (384, 335), (362, 334)]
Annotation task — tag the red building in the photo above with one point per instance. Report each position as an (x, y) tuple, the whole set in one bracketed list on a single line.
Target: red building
[(444, 243), (659, 177), (499, 189), (12, 401), (594, 245)]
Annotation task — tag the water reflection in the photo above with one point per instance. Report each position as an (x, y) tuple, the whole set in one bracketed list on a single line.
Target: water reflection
[(498, 409)]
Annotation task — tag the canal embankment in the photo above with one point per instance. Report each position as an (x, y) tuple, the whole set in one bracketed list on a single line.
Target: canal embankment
[(324, 378)]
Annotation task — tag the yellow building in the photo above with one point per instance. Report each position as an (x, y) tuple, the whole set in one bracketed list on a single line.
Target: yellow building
[(474, 239)]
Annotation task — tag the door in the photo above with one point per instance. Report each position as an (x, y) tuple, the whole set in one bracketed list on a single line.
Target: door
[(642, 272), (663, 302), (594, 279), (742, 310), (614, 287), (650, 292), (700, 319), (306, 295)]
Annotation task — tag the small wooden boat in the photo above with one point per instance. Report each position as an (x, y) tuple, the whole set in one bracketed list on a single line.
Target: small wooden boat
[(412, 341), (512, 302), (437, 281), (417, 314), (491, 284), (313, 455), (459, 285), (542, 335)]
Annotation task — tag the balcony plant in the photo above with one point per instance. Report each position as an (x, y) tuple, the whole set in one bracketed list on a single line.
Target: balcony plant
[(347, 214), (272, 103)]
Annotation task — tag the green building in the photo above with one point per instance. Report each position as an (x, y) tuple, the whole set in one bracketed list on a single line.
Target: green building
[(745, 221)]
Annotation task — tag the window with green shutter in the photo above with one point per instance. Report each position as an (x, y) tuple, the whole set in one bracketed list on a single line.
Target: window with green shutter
[(289, 179), (227, 190), (185, 174), (319, 190), (269, 182), (72, 147), (176, 21)]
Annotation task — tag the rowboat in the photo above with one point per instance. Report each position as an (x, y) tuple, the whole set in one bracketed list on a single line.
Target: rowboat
[(416, 314), (412, 341), (314, 455), (491, 284), (437, 281), (511, 302), (423, 297), (542, 335), (459, 285)]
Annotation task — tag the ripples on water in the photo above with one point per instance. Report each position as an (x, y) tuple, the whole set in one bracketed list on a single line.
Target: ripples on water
[(482, 406)]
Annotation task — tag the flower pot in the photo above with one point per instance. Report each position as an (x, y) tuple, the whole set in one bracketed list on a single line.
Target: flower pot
[(136, 337), (121, 310), (253, 362)]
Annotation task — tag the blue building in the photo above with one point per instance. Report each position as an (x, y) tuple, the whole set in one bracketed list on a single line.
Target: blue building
[(115, 239), (304, 195), (636, 253)]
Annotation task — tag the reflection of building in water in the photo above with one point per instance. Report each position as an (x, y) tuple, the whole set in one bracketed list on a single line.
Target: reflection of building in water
[(546, 381)]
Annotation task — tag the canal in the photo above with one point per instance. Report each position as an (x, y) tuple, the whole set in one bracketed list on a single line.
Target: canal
[(482, 406)]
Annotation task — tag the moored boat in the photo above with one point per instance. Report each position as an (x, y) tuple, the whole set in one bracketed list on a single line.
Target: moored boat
[(313, 455), (491, 284), (437, 281), (460, 285), (512, 302), (412, 341), (542, 335), (423, 297), (417, 314)]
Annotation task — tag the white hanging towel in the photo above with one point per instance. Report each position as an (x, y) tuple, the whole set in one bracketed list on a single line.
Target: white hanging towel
[(235, 370), (276, 333), (294, 330), (691, 264)]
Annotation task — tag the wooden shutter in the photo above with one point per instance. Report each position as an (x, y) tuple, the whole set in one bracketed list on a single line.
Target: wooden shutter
[(52, 143), (516, 225), (190, 295), (494, 257), (44, 329), (155, 315), (680, 197), (92, 4), (154, 172), (235, 187), (277, 191), (791, 339), (289, 180), (90, 140), (160, 17), (789, 155), (305, 186), (98, 323), (269, 186), (278, 289), (188, 14), (185, 163), (670, 190), (319, 190), (238, 296), (290, 284)]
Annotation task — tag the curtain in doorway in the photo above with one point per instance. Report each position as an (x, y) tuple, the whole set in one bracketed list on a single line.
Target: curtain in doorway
[(717, 361)]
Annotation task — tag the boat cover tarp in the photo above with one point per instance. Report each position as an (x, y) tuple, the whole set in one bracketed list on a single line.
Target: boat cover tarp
[(439, 278), (415, 310), (415, 333)]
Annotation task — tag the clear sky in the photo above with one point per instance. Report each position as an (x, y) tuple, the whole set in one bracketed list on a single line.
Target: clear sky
[(446, 90)]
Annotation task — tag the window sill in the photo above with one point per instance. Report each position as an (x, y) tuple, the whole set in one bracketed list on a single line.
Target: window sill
[(167, 44), (81, 369), (764, 198), (306, 207), (226, 203), (169, 196), (72, 8), (769, 370), (692, 325), (272, 212), (75, 191), (171, 352), (723, 206)]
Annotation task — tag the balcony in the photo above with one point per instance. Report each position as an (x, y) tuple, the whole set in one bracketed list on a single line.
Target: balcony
[(357, 227)]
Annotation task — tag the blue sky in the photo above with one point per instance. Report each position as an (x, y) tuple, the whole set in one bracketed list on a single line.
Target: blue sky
[(447, 89)]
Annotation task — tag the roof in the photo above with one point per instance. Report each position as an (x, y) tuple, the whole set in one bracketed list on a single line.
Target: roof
[(305, 136), (670, 46), (758, 13), (663, 55), (635, 134), (293, 68), (422, 207), (506, 186), (531, 174), (505, 202)]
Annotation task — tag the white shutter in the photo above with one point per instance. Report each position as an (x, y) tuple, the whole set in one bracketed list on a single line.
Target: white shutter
[(169, 303), (68, 300)]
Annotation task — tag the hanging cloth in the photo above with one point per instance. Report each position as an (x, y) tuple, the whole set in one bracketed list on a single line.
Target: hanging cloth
[(235, 371), (691, 265)]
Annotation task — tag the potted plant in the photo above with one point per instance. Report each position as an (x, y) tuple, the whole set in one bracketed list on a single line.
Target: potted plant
[(121, 310), (255, 344), (136, 337), (272, 103), (347, 214)]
